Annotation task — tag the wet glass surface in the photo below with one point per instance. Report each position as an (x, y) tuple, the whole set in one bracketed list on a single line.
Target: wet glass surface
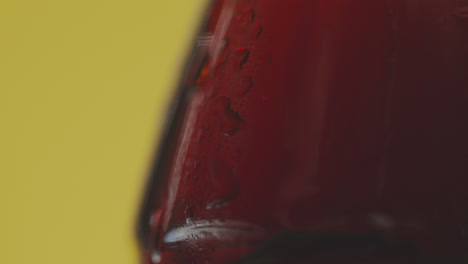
[(339, 127)]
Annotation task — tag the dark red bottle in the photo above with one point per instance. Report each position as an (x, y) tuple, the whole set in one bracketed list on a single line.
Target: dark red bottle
[(317, 131)]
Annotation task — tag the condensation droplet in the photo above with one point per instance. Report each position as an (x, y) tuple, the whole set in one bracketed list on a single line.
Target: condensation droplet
[(242, 56), (259, 31), (230, 121), (156, 257), (252, 13), (254, 32), (246, 86)]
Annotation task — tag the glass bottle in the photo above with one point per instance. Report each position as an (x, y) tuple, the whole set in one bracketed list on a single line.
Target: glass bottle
[(316, 131)]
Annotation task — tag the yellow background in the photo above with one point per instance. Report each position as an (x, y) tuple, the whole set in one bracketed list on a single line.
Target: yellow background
[(83, 89)]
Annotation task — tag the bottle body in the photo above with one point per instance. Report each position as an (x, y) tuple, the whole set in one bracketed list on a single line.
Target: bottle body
[(319, 121)]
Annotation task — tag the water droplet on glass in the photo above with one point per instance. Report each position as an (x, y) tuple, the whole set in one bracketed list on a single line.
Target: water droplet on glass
[(241, 56), (259, 31), (156, 257), (252, 14), (230, 121), (224, 186), (246, 84), (254, 32)]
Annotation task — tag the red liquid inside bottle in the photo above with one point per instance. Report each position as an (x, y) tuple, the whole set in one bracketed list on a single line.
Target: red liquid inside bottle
[(317, 131)]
